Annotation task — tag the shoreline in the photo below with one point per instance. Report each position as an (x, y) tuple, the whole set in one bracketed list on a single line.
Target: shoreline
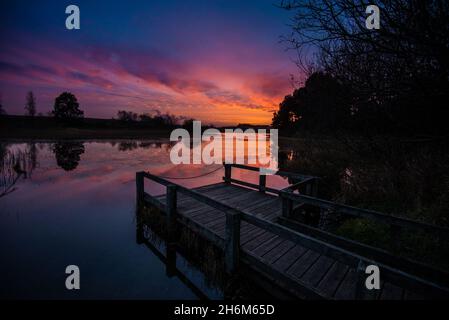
[(14, 127), (81, 134)]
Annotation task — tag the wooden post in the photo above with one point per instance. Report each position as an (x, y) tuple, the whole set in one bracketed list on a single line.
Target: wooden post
[(232, 242), (361, 278), (227, 177), (315, 188), (170, 266), (171, 213), (395, 238), (287, 206), (139, 228), (262, 182), (140, 191), (308, 188)]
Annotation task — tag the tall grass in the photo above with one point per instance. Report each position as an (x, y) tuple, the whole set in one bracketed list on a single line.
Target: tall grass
[(408, 178)]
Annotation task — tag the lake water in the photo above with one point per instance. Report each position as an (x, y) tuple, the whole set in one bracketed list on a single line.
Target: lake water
[(73, 202)]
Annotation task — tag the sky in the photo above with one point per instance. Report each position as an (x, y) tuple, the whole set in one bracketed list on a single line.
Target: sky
[(221, 62)]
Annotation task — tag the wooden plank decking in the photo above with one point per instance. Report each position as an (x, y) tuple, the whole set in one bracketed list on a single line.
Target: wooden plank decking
[(296, 262), (314, 271)]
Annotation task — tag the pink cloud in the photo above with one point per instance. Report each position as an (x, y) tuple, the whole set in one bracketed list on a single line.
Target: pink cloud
[(236, 85)]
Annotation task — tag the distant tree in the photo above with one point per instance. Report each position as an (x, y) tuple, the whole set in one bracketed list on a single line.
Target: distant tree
[(167, 119), (323, 104), (158, 120), (127, 116), (144, 117), (127, 146), (2, 110), (30, 106), (286, 117), (188, 124), (67, 107)]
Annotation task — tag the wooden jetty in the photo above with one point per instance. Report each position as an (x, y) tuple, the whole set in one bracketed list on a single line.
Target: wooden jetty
[(252, 225)]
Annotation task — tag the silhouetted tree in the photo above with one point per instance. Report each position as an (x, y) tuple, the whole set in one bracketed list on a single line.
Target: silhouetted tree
[(128, 146), (2, 110), (286, 117), (188, 124), (399, 74), (68, 154), (168, 119), (127, 116), (67, 107), (145, 117), (30, 106), (159, 120), (323, 104)]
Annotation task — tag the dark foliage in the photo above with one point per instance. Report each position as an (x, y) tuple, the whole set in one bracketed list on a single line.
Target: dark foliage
[(67, 107), (68, 154), (159, 120), (2, 110), (322, 104), (127, 116), (397, 76), (30, 106)]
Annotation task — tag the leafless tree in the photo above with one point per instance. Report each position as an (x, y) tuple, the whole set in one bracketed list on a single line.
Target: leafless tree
[(407, 59), (2, 110), (30, 106)]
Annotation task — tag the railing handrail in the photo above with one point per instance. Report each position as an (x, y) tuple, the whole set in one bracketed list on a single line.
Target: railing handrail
[(340, 208), (194, 194), (347, 257), (365, 213), (296, 185), (278, 173), (309, 181)]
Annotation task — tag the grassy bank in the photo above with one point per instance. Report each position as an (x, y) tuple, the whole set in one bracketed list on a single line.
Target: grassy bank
[(399, 176)]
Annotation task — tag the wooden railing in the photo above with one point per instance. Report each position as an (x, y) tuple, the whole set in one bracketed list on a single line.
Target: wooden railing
[(231, 243), (308, 190), (308, 184), (392, 220)]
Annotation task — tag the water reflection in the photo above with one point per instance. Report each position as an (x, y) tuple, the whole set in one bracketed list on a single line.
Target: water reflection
[(72, 202), (16, 163), (127, 146), (190, 255), (68, 154), (145, 236)]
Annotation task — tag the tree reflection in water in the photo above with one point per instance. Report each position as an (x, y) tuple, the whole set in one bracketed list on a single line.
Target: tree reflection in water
[(128, 146), (133, 145), (68, 154)]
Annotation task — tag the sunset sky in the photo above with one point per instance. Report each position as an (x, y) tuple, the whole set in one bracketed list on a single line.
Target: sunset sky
[(217, 61)]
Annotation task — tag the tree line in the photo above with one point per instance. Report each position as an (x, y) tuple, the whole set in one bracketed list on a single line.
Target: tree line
[(66, 106), (395, 79), (157, 120)]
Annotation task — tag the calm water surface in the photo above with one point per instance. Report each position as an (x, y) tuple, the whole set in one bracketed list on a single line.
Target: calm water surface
[(65, 203)]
